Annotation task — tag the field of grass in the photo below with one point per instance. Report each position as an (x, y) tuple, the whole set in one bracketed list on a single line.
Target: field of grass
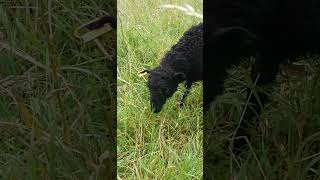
[(167, 145), (57, 102), (57, 93)]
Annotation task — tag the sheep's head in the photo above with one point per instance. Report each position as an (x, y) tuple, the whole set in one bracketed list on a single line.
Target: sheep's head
[(162, 85)]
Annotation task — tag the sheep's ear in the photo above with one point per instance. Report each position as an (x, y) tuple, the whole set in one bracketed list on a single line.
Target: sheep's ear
[(179, 77)]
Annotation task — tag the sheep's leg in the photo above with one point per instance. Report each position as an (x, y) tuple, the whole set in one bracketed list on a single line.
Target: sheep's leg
[(186, 92)]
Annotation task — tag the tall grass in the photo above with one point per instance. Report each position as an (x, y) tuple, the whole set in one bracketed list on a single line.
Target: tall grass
[(167, 145), (57, 94)]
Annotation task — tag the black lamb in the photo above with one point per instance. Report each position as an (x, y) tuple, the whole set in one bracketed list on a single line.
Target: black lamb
[(182, 63), (270, 30)]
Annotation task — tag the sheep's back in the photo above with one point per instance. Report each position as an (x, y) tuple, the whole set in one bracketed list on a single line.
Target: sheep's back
[(187, 55)]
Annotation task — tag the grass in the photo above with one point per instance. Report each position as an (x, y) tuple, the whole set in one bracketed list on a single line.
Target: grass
[(57, 102), (167, 145), (285, 139), (57, 94)]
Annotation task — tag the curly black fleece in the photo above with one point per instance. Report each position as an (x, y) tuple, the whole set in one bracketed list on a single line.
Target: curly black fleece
[(187, 55), (182, 63)]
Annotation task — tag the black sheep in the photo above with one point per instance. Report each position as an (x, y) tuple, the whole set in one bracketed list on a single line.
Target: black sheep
[(269, 30), (272, 31), (182, 63)]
